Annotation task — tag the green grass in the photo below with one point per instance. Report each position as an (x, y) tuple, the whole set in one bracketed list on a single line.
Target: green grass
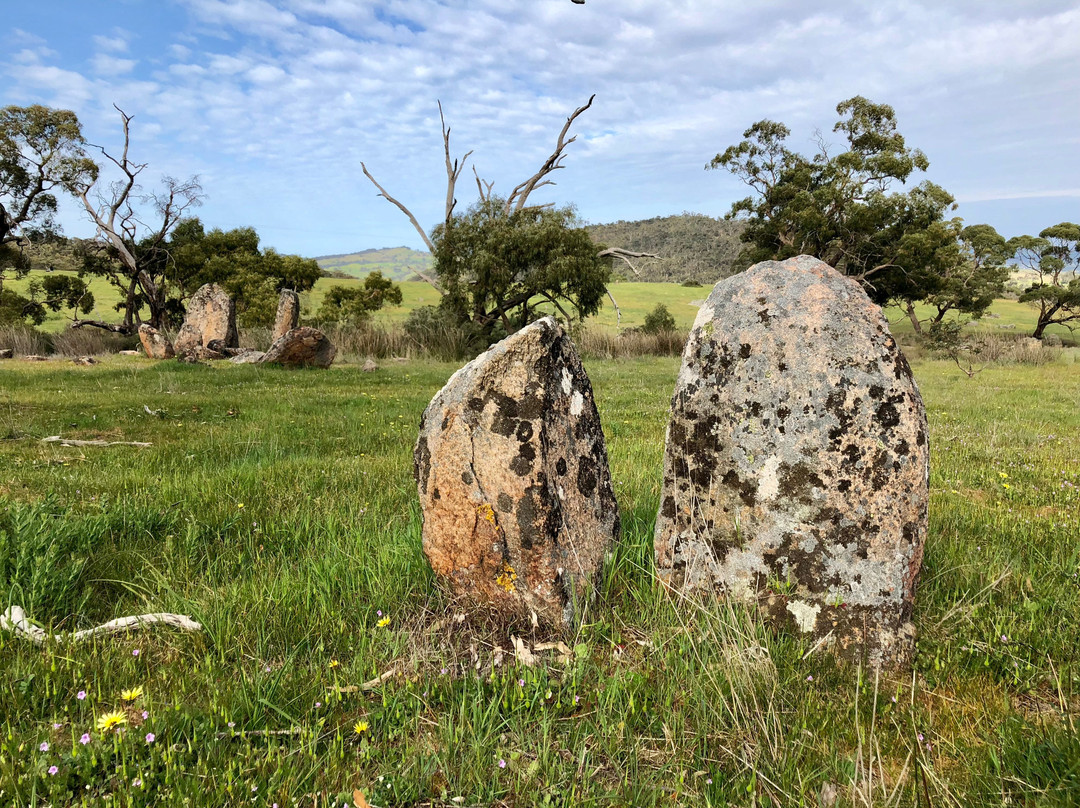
[(278, 509), (635, 300)]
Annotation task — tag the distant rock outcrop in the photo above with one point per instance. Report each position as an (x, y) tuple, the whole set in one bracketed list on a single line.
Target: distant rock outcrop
[(288, 314), (301, 347), (155, 344), (518, 507), (211, 315), (796, 460)]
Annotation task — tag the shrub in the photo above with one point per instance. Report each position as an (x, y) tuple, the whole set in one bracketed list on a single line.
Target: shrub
[(659, 321)]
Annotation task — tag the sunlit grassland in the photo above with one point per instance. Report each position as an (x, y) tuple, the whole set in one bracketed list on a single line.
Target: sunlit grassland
[(278, 509), (635, 300)]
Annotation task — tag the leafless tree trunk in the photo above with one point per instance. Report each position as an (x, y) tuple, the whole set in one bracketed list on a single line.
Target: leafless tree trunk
[(120, 228)]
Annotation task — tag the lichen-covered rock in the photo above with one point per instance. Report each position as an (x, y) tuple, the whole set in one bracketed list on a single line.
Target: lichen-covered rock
[(155, 344), (301, 347), (796, 460), (512, 470), (248, 357), (288, 314), (211, 315)]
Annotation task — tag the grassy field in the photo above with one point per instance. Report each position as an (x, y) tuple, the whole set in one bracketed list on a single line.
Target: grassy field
[(278, 509), (635, 300)]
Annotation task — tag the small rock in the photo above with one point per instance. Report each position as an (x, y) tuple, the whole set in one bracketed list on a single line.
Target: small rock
[(130, 353), (7, 353), (512, 471), (288, 314), (301, 347), (248, 357), (1052, 341), (155, 344), (369, 366), (84, 360), (34, 358), (218, 346)]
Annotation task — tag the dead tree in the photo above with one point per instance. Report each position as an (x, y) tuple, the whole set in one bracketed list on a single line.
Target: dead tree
[(133, 250), (518, 198)]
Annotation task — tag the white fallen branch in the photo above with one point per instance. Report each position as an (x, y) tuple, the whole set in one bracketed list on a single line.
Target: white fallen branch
[(72, 442), (16, 621)]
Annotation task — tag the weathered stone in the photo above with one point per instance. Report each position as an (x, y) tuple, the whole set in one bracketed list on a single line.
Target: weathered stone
[(200, 354), (7, 353), (288, 314), (155, 344), (85, 361), (248, 357), (35, 358), (301, 347), (518, 507), (130, 353), (218, 346), (796, 460), (369, 366), (211, 315), (1052, 341)]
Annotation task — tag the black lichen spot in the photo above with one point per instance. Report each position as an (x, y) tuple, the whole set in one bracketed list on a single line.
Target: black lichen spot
[(747, 488), (668, 508), (530, 407), (843, 486), (910, 532), (504, 502), (422, 463), (435, 494), (763, 316), (782, 413), (755, 409), (476, 404), (852, 453), (876, 391), (560, 466), (901, 368), (798, 482), (744, 350), (903, 449), (502, 424), (524, 431), (445, 422), (782, 366), (466, 478), (526, 520), (520, 466), (920, 439), (887, 415), (586, 476)]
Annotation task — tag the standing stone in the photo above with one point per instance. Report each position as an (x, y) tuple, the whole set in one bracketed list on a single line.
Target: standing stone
[(796, 460), (155, 344), (512, 470), (288, 314), (301, 347), (211, 315)]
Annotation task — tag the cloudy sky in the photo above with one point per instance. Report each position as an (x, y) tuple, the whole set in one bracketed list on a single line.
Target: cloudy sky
[(274, 103)]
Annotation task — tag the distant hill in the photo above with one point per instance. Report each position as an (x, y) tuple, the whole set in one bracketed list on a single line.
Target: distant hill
[(396, 263), (691, 246)]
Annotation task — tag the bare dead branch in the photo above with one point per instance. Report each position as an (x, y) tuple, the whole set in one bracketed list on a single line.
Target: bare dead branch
[(16, 621), (516, 200), (483, 186), (453, 170), (618, 311), (625, 256)]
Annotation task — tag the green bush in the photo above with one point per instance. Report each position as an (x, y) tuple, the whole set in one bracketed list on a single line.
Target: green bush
[(659, 321)]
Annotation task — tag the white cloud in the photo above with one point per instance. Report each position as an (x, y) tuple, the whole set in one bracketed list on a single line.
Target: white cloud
[(279, 101)]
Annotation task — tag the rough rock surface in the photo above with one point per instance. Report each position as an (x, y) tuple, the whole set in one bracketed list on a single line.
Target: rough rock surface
[(369, 366), (35, 358), (7, 353), (796, 460), (512, 470), (301, 347), (288, 314), (211, 315), (155, 344), (85, 361), (248, 357)]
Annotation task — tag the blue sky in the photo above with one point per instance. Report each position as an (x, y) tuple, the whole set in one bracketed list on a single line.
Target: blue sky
[(274, 103)]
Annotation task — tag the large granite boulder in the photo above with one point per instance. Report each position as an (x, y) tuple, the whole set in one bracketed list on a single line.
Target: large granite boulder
[(301, 347), (288, 314), (211, 315), (796, 460), (154, 343), (512, 470)]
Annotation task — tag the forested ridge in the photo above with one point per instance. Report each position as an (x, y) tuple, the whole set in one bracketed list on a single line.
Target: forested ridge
[(690, 246)]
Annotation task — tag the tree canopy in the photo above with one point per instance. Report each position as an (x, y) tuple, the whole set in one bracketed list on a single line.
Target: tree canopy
[(845, 209), (1054, 257), (495, 266), (353, 305)]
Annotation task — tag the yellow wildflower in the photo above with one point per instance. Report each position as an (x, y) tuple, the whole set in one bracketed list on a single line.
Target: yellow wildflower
[(110, 721), (360, 727), (131, 694), (334, 663), (383, 623)]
